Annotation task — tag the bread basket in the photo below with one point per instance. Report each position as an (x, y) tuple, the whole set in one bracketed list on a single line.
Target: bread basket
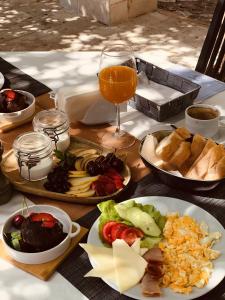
[(172, 179)]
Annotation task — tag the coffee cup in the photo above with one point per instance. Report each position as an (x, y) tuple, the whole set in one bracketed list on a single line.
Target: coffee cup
[(203, 119)]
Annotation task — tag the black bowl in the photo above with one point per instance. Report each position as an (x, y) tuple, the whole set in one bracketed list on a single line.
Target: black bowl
[(174, 180)]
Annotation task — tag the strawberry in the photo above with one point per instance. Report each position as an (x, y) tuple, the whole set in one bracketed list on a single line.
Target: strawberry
[(10, 94), (119, 184), (110, 188), (114, 174), (105, 179), (48, 224), (42, 217)]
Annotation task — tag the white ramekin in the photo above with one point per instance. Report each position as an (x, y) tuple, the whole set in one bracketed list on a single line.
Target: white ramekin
[(23, 114), (48, 255)]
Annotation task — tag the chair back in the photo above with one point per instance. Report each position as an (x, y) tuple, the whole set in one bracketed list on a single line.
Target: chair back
[(212, 57)]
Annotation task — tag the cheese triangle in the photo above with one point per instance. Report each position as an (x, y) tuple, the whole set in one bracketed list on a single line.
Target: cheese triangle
[(100, 255), (129, 266), (104, 272), (136, 246)]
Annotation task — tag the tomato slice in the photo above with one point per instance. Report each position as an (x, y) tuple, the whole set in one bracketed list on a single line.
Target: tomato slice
[(139, 232), (106, 231), (130, 234), (117, 230)]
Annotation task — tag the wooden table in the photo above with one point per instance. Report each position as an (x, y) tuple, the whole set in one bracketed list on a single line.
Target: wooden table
[(75, 211)]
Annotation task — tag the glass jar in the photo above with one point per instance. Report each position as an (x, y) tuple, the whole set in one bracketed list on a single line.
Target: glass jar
[(55, 124), (34, 155)]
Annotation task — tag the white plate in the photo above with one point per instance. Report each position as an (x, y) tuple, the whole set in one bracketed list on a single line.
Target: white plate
[(2, 80), (165, 205)]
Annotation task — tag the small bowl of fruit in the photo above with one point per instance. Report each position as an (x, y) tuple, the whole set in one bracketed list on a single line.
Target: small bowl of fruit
[(16, 105), (38, 234)]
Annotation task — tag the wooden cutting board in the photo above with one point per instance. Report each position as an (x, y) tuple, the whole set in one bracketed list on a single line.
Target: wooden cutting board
[(43, 271), (10, 170)]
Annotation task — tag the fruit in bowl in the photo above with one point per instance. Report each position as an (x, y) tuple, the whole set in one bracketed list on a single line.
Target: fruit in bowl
[(16, 105), (36, 232), (11, 101), (39, 236)]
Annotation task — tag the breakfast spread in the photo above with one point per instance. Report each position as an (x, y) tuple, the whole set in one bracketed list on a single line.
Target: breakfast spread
[(12, 101), (85, 172), (181, 259), (34, 233), (193, 156)]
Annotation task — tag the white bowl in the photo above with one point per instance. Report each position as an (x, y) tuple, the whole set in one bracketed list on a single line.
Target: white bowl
[(23, 114), (48, 255)]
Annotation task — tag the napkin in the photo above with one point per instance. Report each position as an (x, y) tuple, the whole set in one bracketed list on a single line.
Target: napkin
[(158, 93), (84, 103)]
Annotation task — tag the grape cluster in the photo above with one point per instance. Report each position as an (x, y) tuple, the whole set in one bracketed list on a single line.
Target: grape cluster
[(57, 180), (103, 163)]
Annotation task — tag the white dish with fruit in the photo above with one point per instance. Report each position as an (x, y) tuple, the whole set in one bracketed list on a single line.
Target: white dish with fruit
[(38, 234), (212, 240)]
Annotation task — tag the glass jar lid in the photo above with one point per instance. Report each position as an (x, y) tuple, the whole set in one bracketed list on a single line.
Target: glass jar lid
[(51, 119), (33, 144)]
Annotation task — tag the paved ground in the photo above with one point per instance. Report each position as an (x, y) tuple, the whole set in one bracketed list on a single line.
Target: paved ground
[(45, 25)]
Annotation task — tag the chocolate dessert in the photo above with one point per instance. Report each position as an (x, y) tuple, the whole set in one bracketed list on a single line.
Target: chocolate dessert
[(42, 231), (38, 232), (12, 101)]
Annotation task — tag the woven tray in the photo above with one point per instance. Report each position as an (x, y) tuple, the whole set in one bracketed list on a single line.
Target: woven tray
[(166, 78)]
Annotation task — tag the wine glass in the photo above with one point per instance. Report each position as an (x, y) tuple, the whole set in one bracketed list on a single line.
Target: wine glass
[(117, 84)]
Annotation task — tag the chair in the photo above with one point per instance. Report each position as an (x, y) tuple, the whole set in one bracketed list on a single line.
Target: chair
[(212, 57)]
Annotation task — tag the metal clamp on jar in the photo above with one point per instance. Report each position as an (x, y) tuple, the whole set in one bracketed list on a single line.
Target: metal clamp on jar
[(34, 155), (53, 123)]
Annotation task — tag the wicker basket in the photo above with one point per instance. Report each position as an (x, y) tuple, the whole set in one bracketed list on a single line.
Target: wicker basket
[(166, 78)]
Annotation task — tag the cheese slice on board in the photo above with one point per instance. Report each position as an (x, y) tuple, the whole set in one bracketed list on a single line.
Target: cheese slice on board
[(129, 266)]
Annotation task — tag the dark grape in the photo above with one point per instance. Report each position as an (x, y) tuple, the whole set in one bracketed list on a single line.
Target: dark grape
[(92, 169), (57, 180), (117, 164), (110, 157), (99, 159)]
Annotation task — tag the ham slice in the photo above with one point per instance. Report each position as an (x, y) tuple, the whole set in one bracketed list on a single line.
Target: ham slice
[(154, 271), (154, 255), (150, 287)]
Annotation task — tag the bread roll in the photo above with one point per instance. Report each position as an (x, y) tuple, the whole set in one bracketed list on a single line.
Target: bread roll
[(199, 168), (216, 168), (181, 155), (183, 132), (148, 151), (220, 168), (168, 146)]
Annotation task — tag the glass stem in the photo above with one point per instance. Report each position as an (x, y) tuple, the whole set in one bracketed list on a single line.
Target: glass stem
[(117, 120)]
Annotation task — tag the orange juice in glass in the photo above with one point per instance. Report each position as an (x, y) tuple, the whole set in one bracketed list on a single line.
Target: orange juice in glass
[(117, 84)]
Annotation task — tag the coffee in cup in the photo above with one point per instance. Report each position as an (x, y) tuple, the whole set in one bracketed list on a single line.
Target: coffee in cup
[(202, 119), (203, 113)]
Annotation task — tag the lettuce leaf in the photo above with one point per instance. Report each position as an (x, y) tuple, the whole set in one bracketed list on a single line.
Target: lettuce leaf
[(109, 213), (150, 242)]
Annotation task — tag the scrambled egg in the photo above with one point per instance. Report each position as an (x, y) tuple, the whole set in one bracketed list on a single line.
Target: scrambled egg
[(187, 253)]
